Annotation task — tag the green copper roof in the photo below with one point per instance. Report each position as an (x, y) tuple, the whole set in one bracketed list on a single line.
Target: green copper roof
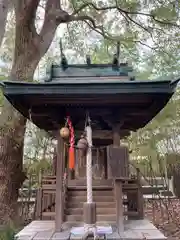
[(90, 86), (58, 73), (134, 103)]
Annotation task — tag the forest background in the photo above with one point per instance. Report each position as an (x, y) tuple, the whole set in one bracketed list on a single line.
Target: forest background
[(149, 34)]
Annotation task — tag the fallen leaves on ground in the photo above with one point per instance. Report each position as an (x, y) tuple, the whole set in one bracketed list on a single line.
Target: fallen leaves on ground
[(165, 215)]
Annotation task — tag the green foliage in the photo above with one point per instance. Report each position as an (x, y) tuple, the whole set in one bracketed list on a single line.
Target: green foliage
[(166, 12), (8, 233), (38, 152), (159, 141)]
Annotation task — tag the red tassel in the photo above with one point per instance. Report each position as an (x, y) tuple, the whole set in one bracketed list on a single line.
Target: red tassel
[(71, 148), (71, 158)]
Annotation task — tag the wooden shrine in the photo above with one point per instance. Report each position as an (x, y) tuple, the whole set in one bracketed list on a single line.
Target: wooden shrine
[(117, 104)]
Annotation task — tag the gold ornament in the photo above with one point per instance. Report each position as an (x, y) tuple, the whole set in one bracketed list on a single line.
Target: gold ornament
[(64, 132)]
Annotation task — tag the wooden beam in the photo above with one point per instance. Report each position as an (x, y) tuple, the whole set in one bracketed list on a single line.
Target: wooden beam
[(104, 134), (101, 134), (90, 99), (50, 109), (59, 185)]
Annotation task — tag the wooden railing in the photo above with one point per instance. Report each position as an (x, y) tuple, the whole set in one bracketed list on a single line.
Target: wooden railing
[(40, 199), (132, 196)]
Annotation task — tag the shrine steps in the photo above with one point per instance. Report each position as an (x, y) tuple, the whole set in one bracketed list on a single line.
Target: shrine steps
[(104, 198), (76, 205), (49, 186), (96, 182), (77, 196), (80, 192), (100, 218), (99, 211)]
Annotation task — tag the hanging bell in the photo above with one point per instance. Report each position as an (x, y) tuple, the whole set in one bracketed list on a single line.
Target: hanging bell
[(82, 145), (64, 132)]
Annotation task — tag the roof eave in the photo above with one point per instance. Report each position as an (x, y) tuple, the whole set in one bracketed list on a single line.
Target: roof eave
[(94, 88)]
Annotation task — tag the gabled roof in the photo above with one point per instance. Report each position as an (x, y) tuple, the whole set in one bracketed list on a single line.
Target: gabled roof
[(93, 85), (133, 103), (80, 71)]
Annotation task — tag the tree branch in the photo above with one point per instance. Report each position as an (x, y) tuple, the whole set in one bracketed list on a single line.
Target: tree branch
[(54, 15), (114, 7), (87, 19), (127, 16), (129, 19), (26, 10), (100, 29)]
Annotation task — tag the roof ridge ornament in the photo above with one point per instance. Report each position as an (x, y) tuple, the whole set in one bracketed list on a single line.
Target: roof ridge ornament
[(115, 63), (64, 62), (88, 59)]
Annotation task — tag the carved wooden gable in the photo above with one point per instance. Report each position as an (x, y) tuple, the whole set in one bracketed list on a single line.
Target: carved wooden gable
[(118, 161)]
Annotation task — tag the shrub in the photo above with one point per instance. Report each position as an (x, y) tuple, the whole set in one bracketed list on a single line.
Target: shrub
[(7, 233)]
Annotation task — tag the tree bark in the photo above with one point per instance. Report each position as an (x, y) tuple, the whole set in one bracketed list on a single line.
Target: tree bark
[(13, 126), (11, 175), (29, 48), (176, 177), (4, 7)]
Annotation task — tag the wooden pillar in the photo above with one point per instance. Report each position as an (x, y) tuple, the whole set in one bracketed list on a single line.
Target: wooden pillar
[(59, 184), (116, 135), (140, 198), (38, 207), (136, 201), (118, 185), (119, 205), (54, 161), (105, 164), (116, 143)]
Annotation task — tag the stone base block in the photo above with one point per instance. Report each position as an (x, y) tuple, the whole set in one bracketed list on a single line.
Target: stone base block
[(89, 211)]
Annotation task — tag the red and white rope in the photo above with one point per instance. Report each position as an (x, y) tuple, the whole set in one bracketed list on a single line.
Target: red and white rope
[(71, 142), (71, 129)]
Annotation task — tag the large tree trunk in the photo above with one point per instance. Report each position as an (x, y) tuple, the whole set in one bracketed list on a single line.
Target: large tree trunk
[(176, 178), (29, 48), (12, 125), (4, 6), (11, 175)]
